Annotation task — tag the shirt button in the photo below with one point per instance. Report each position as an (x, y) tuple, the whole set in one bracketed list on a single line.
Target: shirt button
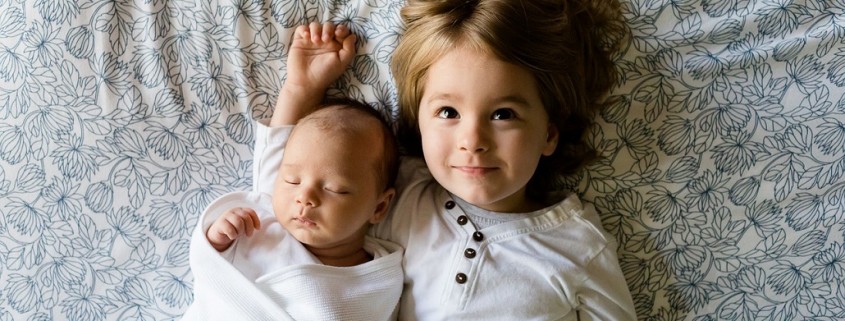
[(461, 278), (477, 236), (462, 220), (450, 205), (469, 253)]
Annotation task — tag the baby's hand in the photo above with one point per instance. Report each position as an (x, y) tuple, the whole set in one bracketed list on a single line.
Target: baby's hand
[(231, 225), (318, 56)]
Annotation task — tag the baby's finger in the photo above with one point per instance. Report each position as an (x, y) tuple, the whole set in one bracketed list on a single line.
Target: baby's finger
[(250, 222), (341, 32), (222, 225), (237, 224), (348, 51), (328, 32), (316, 32), (249, 218), (302, 32), (215, 233), (255, 220), (228, 230)]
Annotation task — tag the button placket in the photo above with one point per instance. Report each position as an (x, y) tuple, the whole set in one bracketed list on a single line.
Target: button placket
[(469, 253)]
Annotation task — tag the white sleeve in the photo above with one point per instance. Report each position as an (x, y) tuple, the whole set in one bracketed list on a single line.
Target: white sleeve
[(269, 147), (605, 294)]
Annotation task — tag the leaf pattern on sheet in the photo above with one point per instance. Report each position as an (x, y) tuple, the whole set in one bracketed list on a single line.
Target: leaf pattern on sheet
[(722, 181), (723, 156), (121, 121)]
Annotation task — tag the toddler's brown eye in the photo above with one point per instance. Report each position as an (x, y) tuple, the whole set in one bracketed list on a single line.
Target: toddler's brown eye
[(504, 113), (447, 112)]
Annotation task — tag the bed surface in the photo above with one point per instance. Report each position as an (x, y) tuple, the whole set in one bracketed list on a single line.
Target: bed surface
[(120, 121)]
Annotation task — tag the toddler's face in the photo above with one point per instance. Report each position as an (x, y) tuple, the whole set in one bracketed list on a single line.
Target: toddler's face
[(483, 129), (326, 190)]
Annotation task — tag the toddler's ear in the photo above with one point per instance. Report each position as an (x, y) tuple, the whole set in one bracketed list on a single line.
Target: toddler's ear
[(552, 137), (383, 205)]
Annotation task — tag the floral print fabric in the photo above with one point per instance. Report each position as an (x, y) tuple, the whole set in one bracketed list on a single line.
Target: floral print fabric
[(722, 178)]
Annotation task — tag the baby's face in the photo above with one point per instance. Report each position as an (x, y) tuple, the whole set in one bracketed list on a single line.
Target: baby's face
[(326, 192)]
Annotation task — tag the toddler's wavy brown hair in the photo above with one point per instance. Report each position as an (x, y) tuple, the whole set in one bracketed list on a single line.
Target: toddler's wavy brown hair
[(567, 45)]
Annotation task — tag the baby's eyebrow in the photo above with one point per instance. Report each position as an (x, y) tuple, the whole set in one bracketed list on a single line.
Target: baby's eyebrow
[(289, 166)]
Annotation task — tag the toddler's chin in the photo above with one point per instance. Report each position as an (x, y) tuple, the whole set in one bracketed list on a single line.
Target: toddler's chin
[(477, 198)]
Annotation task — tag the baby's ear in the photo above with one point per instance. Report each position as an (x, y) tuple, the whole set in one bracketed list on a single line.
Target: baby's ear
[(552, 137), (383, 205)]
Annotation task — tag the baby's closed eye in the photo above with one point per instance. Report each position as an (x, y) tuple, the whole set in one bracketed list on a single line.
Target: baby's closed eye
[(336, 190)]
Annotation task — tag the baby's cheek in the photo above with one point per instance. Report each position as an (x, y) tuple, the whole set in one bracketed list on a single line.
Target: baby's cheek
[(279, 204)]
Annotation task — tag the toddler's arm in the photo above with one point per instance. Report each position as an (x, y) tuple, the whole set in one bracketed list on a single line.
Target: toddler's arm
[(606, 295), (318, 56), (232, 224)]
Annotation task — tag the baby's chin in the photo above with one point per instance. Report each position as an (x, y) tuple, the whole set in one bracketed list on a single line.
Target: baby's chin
[(306, 236)]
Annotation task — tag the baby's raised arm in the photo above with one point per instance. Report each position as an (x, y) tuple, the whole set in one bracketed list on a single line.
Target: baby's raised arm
[(232, 224), (318, 55)]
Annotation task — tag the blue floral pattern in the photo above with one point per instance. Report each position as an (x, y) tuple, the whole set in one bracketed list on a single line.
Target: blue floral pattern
[(722, 178)]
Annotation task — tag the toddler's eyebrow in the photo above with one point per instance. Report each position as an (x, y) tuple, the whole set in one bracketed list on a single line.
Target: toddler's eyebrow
[(515, 99), (442, 96)]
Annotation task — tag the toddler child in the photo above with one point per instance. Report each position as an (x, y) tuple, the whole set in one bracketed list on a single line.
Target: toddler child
[(496, 96), (303, 252)]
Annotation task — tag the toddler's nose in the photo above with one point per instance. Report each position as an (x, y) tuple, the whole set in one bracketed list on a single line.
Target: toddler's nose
[(473, 138)]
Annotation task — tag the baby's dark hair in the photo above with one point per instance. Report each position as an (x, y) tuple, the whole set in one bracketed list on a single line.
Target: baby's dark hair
[(335, 114), (567, 46)]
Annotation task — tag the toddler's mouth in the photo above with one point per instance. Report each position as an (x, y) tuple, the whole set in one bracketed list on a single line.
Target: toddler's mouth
[(474, 170)]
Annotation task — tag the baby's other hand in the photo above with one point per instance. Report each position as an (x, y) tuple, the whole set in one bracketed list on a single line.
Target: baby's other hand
[(231, 225), (318, 56)]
